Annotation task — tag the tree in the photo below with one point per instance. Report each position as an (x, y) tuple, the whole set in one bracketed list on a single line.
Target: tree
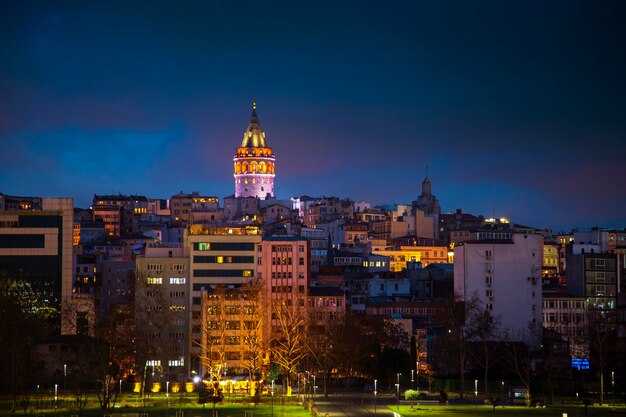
[(255, 347), (289, 338), (602, 340), (321, 341), (451, 344), (522, 351), (214, 319), (482, 328)]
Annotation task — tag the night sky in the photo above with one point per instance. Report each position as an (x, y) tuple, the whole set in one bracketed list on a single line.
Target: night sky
[(518, 109)]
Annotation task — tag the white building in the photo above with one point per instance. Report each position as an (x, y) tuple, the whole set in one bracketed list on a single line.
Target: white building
[(505, 275)]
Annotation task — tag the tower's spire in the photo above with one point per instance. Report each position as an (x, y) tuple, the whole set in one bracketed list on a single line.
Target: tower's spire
[(426, 170), (254, 137)]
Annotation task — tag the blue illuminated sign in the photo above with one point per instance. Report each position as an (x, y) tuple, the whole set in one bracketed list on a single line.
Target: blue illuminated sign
[(582, 364)]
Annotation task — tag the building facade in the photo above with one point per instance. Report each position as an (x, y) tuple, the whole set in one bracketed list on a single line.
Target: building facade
[(218, 256), (36, 237), (505, 276)]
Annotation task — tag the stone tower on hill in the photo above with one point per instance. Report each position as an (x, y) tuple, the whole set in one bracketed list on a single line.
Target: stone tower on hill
[(254, 162)]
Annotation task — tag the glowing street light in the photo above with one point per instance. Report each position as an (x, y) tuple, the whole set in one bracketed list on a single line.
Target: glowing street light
[(476, 392), (417, 375), (613, 386), (375, 392), (272, 398)]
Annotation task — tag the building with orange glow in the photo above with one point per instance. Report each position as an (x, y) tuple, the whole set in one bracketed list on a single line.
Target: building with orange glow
[(194, 208), (399, 256), (254, 163), (218, 256), (283, 267)]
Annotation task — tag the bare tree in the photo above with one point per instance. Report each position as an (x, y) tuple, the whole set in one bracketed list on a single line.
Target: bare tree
[(601, 342), (289, 344), (255, 347), (213, 356), (321, 340), (522, 352), (482, 328), (453, 343)]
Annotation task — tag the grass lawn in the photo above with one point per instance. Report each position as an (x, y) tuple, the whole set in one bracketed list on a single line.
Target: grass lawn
[(486, 411), (157, 407)]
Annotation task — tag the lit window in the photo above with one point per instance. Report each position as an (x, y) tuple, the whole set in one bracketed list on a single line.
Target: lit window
[(154, 281)]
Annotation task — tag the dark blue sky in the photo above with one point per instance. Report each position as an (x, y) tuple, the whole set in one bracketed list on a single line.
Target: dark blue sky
[(519, 109)]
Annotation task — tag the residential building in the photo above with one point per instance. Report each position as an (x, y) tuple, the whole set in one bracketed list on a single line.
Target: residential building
[(218, 256), (162, 301), (567, 315), (595, 277), (505, 276)]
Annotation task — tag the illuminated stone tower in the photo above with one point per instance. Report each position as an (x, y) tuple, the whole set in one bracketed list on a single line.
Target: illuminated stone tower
[(254, 162)]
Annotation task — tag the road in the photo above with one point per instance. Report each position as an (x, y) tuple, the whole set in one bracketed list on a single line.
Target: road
[(355, 405)]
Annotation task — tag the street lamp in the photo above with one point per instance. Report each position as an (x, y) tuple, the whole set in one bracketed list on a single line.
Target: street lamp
[(375, 382), (412, 380), (476, 392), (64, 376), (398, 375), (314, 390), (612, 386), (272, 398), (417, 375), (398, 396), (56, 391), (167, 398)]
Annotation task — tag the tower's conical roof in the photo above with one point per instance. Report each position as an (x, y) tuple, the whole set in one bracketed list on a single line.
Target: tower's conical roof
[(254, 137)]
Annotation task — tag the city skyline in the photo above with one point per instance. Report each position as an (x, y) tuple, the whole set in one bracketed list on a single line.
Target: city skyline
[(517, 110)]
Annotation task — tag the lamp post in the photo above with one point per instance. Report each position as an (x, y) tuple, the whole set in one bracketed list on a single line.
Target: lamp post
[(120, 392), (272, 398), (375, 392), (417, 375), (412, 380), (612, 386), (64, 376), (56, 392), (314, 390), (307, 388), (167, 398), (476, 392), (398, 390)]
